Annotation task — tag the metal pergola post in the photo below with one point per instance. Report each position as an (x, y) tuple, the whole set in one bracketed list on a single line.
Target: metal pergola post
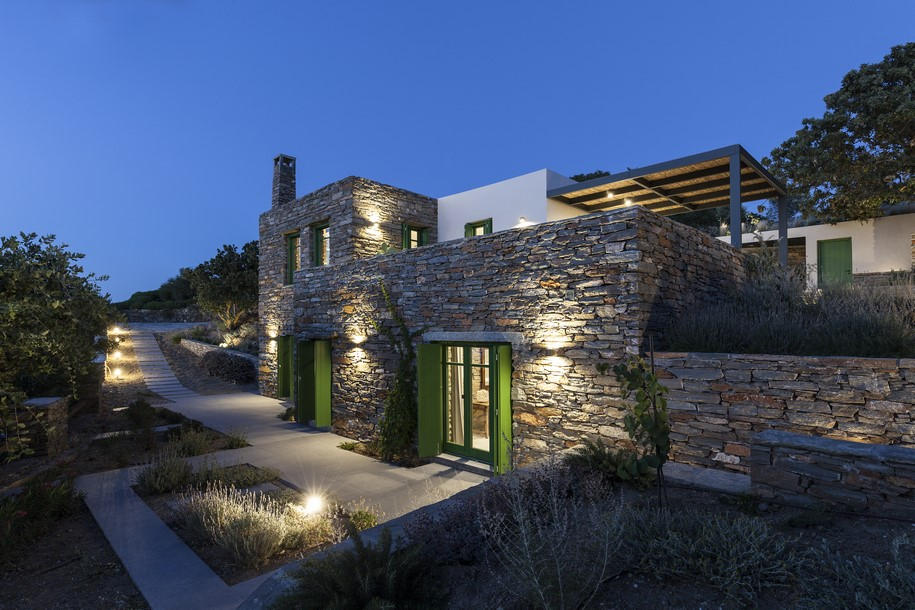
[(734, 188), (783, 230)]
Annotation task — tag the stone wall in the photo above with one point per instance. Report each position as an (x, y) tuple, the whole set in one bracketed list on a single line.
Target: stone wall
[(717, 402), (574, 293), (46, 420), (362, 215), (199, 348), (811, 471)]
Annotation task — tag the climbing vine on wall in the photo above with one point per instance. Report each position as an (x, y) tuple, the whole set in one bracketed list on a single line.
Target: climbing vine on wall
[(397, 430)]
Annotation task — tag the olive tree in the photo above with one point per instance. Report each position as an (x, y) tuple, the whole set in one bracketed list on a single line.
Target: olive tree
[(226, 285)]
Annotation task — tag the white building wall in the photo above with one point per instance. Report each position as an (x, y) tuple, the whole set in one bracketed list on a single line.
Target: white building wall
[(877, 246), (506, 202)]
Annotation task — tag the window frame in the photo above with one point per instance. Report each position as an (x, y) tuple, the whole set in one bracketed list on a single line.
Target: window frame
[(405, 236), (471, 227), (293, 242), (318, 244)]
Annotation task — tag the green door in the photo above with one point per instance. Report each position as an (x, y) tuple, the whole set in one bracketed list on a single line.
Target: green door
[(313, 372), (284, 367), (834, 261)]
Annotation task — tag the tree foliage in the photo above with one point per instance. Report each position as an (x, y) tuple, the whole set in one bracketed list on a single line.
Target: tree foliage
[(860, 155), (226, 285), (53, 316), (599, 173), (174, 293)]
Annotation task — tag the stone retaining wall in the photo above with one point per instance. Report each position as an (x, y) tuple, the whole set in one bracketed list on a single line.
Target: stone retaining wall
[(717, 402), (576, 293), (47, 424), (843, 475), (200, 348)]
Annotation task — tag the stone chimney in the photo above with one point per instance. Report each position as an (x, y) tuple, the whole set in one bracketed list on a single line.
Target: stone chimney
[(283, 179)]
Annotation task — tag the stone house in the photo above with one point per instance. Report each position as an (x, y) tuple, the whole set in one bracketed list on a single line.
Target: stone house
[(514, 321)]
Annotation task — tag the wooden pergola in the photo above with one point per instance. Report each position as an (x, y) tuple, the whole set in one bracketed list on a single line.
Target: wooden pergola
[(727, 176)]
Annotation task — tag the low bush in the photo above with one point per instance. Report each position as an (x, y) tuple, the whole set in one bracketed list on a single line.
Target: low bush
[(27, 516), (226, 366), (774, 313), (368, 576), (252, 526), (238, 475), (738, 555), (861, 582), (611, 465), (236, 439), (167, 471), (191, 441)]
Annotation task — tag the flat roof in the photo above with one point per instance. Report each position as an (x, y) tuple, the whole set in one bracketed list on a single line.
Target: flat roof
[(687, 184)]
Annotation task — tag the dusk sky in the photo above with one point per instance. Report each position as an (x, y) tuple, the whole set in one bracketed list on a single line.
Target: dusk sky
[(142, 133)]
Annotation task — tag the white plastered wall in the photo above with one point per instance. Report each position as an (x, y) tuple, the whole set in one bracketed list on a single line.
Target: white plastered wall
[(506, 202), (877, 246)]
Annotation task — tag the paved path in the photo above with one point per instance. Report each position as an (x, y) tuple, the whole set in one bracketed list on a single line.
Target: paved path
[(158, 375), (167, 572)]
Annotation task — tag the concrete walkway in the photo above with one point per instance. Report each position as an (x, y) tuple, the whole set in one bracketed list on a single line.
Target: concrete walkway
[(167, 572), (156, 372)]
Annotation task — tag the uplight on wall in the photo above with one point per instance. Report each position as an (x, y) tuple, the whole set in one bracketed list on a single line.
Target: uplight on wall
[(117, 355), (523, 222), (118, 373)]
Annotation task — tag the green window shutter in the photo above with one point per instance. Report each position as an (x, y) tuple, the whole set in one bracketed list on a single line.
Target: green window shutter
[(405, 236), (313, 370), (322, 372), (429, 377), (502, 460), (468, 229), (487, 226), (284, 367), (424, 237)]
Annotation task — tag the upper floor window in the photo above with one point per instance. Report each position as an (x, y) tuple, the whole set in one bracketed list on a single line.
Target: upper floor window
[(414, 237), (321, 245), (481, 227), (293, 256)]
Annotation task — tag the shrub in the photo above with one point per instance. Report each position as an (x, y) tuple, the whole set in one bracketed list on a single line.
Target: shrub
[(368, 576), (238, 475), (226, 366), (32, 513), (611, 465), (166, 472), (191, 441), (861, 582), (176, 339), (236, 439), (141, 415), (552, 545), (774, 313), (252, 526), (737, 555)]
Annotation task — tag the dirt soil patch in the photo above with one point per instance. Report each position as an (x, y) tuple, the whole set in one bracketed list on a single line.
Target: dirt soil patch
[(71, 567), (192, 375)]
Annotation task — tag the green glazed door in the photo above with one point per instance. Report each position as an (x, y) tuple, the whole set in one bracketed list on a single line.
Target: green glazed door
[(313, 377), (284, 367), (834, 261)]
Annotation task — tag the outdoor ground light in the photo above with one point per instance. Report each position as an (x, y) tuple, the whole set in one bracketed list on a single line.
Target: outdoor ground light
[(313, 505), (117, 373)]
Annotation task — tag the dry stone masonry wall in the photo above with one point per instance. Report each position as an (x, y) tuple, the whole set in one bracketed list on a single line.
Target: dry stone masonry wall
[(848, 476), (717, 402)]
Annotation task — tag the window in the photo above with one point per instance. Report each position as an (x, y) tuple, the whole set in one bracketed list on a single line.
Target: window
[(321, 245), (414, 237), (293, 256), (481, 227)]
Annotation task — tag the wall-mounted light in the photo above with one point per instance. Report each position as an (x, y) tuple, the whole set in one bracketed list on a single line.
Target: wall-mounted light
[(116, 330), (117, 355), (627, 202), (117, 373), (523, 222), (609, 194), (357, 338)]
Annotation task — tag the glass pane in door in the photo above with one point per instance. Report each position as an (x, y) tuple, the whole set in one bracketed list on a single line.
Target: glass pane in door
[(454, 395), (479, 400)]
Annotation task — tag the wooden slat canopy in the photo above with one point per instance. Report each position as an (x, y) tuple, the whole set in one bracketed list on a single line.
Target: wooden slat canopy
[(697, 182)]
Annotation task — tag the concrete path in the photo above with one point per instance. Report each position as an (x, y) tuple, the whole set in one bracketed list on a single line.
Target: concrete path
[(158, 375), (167, 572)]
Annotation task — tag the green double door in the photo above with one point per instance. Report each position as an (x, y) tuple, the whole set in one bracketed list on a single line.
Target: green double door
[(465, 402), (304, 372), (834, 261)]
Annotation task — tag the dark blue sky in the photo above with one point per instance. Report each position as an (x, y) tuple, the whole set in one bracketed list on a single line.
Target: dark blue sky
[(142, 132)]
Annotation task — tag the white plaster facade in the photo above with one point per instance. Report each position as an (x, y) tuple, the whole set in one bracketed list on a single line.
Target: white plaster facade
[(509, 203), (877, 246)]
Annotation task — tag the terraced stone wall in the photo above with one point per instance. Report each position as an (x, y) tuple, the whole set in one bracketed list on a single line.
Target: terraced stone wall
[(717, 402)]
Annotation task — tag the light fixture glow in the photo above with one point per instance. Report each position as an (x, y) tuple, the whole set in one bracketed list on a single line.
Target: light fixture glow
[(609, 194), (357, 339), (628, 202), (117, 355), (313, 505), (117, 373), (116, 330), (523, 222)]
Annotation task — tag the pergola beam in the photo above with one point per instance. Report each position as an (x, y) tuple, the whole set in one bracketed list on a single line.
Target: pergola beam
[(661, 193)]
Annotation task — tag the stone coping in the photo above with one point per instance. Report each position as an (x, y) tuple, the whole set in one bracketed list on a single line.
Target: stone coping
[(43, 401), (209, 347), (832, 446), (516, 339), (906, 363)]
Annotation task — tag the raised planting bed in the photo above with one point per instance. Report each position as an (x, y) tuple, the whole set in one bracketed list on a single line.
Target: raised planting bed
[(242, 520)]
